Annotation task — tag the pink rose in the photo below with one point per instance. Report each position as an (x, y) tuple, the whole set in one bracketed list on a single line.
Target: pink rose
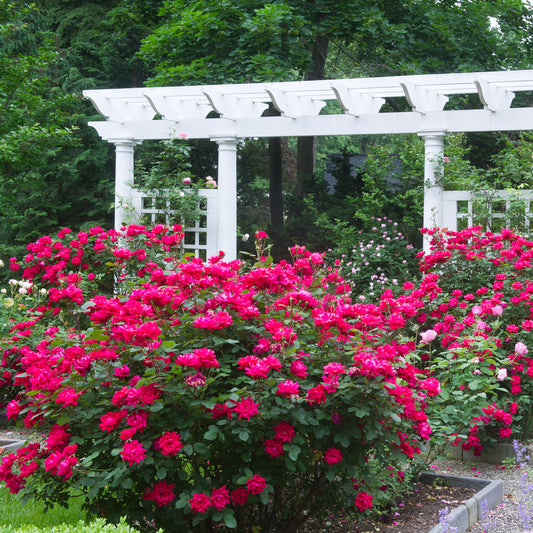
[(428, 336), (501, 374), (520, 348), (497, 310)]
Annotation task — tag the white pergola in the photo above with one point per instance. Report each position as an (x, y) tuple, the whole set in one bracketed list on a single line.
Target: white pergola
[(136, 114)]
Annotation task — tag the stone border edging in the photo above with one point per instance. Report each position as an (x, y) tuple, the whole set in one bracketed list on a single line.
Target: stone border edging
[(10, 445), (469, 512)]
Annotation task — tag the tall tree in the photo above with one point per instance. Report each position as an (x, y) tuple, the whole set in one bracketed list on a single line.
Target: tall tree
[(36, 121), (213, 41), (54, 169)]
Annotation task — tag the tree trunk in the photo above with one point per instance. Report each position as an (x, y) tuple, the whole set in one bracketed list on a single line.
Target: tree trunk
[(275, 188), (306, 145)]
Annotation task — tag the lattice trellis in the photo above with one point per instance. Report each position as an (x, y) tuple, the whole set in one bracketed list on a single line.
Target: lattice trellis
[(493, 209), (200, 239)]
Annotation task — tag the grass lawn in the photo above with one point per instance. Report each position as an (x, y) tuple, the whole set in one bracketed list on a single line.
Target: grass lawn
[(15, 514)]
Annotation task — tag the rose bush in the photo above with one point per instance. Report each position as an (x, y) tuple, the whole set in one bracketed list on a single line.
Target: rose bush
[(189, 394), (481, 325), (380, 259)]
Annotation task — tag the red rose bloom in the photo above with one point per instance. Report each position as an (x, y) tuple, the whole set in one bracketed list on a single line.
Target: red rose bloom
[(316, 395), (273, 447), (133, 452), (169, 443), (161, 493), (332, 456), (363, 501), (239, 496), (256, 484), (220, 498), (284, 431), (200, 503)]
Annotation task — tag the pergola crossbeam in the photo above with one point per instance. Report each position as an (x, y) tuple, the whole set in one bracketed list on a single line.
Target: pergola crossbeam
[(346, 124), (492, 96), (421, 99)]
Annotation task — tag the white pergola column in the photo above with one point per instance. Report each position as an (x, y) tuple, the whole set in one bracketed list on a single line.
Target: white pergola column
[(227, 196), (433, 197), (124, 164)]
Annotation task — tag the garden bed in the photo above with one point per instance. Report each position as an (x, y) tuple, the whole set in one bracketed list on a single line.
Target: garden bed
[(496, 454), (422, 509)]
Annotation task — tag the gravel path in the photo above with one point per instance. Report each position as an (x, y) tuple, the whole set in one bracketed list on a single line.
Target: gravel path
[(505, 518)]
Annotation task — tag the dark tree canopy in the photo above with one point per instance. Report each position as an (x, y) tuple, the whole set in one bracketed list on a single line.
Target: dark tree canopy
[(55, 171)]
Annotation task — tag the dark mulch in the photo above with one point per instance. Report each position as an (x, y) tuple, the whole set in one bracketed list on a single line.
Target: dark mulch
[(417, 513)]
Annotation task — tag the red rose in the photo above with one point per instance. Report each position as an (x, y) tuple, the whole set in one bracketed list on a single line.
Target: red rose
[(284, 431), (316, 395), (273, 447), (332, 456), (239, 496), (200, 503), (169, 443), (363, 501), (133, 452), (256, 484), (220, 498), (161, 493)]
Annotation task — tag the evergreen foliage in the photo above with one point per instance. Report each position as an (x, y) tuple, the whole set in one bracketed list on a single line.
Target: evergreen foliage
[(54, 170)]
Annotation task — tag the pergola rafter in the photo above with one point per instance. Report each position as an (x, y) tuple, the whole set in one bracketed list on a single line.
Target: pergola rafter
[(227, 113)]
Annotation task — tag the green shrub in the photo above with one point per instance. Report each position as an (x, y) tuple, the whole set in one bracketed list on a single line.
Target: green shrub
[(378, 258)]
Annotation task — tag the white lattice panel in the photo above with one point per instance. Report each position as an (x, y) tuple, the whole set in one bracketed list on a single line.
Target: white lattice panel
[(500, 208), (200, 239)]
